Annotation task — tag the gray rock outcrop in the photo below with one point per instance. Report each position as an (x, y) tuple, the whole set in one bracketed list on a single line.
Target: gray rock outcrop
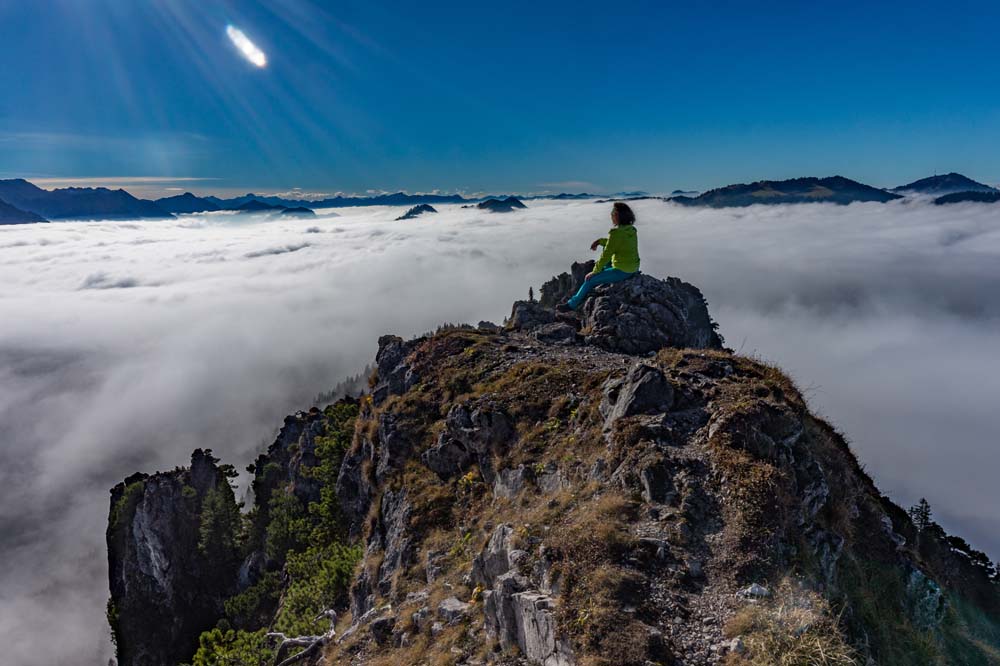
[(638, 315), (516, 612), (165, 590)]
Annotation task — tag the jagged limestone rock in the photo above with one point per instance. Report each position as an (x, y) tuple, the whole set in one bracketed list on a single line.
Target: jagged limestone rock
[(393, 373), (393, 537), (451, 610), (528, 315), (517, 615), (643, 390), (593, 507), (164, 589), (642, 314), (638, 315), (494, 559), (394, 449), (558, 333), (473, 433), (537, 633), (355, 490), (511, 482), (382, 629)]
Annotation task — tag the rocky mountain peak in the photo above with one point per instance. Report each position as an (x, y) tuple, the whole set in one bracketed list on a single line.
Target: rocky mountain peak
[(640, 315), (608, 487)]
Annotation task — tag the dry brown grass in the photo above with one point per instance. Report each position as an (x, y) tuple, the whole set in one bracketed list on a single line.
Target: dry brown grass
[(590, 539), (794, 628)]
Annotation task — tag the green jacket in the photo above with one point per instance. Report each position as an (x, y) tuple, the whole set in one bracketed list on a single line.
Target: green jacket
[(621, 250)]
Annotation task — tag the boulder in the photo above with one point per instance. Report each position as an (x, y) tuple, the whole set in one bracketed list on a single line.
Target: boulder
[(498, 608), (451, 610), (382, 629), (644, 390), (473, 433), (526, 620), (447, 457), (528, 315), (394, 376), (510, 482), (494, 560), (642, 314), (420, 618), (657, 483), (557, 333), (480, 428), (534, 616), (639, 315), (563, 286)]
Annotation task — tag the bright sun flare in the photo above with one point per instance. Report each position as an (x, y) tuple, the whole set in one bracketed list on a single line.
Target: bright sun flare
[(246, 47)]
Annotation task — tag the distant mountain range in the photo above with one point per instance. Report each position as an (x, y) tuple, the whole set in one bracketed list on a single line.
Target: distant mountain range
[(12, 215), (187, 203), (835, 189), (22, 201), (949, 183), (397, 199), (962, 197), (81, 203)]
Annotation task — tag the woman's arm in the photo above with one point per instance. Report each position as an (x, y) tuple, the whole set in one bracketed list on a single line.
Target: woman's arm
[(609, 252)]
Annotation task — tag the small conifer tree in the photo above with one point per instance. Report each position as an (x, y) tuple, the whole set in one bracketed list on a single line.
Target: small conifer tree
[(920, 514)]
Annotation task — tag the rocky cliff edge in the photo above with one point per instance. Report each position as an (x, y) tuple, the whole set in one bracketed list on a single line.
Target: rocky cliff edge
[(611, 487)]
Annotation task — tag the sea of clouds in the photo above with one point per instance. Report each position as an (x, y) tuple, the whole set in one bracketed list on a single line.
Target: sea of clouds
[(125, 345)]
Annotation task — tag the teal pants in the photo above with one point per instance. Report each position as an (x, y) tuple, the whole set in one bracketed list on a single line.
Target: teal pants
[(607, 276)]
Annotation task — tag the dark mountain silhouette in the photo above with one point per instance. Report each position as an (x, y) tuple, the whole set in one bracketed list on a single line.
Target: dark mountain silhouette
[(835, 189), (298, 211), (417, 211), (235, 202), (960, 197), (397, 199), (564, 196), (82, 203), (255, 206), (684, 193), (186, 203), (642, 198), (501, 205), (946, 184), (12, 215)]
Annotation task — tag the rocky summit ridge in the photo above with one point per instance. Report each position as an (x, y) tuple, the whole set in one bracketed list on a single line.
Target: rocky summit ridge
[(610, 487)]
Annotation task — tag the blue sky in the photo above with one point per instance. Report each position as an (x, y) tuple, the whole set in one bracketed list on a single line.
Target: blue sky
[(511, 96)]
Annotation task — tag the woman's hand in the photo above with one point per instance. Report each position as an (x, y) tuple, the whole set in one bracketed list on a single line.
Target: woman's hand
[(595, 244), (589, 275)]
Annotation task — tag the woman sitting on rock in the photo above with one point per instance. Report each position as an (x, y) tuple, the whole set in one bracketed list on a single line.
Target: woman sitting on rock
[(619, 260)]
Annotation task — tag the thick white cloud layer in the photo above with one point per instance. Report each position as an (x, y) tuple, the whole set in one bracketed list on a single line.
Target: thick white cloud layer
[(123, 346)]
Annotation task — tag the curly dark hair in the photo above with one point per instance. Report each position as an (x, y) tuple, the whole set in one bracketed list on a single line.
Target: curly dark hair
[(622, 213)]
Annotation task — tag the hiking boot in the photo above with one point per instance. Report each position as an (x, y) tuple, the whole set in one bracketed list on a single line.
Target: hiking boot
[(564, 307)]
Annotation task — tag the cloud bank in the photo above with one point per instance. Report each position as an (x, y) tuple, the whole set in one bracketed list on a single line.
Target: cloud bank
[(126, 345)]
